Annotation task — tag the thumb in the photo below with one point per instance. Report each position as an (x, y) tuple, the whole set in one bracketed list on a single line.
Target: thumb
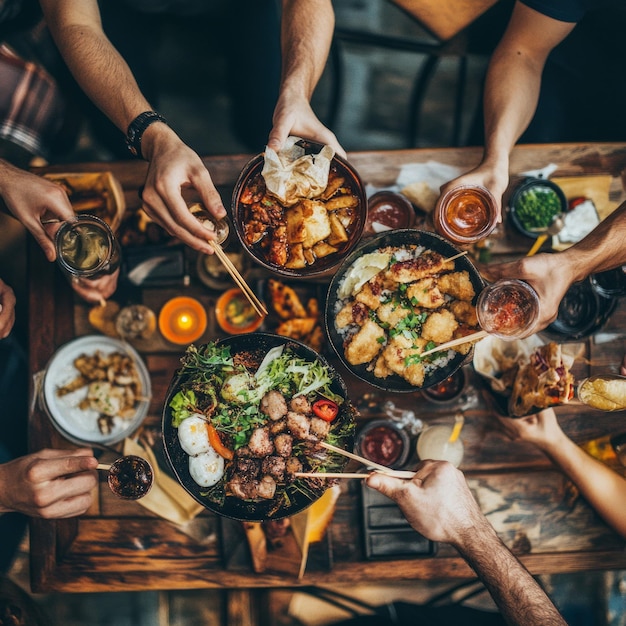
[(384, 484), (45, 244)]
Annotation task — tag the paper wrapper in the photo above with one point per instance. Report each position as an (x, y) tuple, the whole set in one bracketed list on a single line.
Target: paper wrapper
[(167, 498), (291, 174)]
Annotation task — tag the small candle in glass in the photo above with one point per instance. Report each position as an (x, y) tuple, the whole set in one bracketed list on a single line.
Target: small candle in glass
[(508, 309), (182, 320), (465, 214)]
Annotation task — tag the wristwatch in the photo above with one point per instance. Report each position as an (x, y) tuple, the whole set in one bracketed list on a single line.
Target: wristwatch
[(137, 128)]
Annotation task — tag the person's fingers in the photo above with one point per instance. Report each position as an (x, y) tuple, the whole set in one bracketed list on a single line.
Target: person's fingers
[(36, 229), (278, 135), (67, 507), (387, 485), (211, 198), (46, 467)]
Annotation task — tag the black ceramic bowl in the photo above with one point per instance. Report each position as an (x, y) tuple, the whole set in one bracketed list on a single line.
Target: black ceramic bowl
[(256, 346), (582, 312), (323, 265), (396, 238), (532, 185)]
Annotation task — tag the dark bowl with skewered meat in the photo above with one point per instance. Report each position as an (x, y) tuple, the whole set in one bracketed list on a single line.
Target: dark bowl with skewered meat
[(309, 238), (265, 438), (398, 295)]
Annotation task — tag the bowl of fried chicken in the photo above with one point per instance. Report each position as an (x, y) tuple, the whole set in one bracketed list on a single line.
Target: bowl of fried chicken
[(298, 213), (398, 295)]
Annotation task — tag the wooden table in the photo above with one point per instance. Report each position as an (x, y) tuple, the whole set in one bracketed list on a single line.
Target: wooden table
[(119, 546)]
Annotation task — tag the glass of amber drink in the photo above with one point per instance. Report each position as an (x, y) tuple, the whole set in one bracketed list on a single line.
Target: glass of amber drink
[(87, 248), (466, 214), (508, 309)]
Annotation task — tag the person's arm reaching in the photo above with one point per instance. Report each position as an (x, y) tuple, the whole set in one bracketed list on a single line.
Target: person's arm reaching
[(106, 78), (306, 35), (50, 483), (512, 91), (438, 504), (551, 275), (604, 489)]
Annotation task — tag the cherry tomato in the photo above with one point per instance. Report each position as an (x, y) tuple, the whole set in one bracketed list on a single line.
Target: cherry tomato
[(216, 442), (325, 409), (574, 202)]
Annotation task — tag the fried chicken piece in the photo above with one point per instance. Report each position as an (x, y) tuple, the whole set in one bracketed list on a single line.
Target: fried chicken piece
[(365, 345), (368, 297), (299, 425), (277, 427), (439, 326), (380, 369), (391, 313), (274, 405), (427, 264), (260, 443), (285, 300), (319, 428), (464, 311), (300, 404), (274, 466), (351, 313), (425, 294), (316, 339), (278, 250), (463, 331), (292, 465), (457, 284), (398, 355), (283, 444)]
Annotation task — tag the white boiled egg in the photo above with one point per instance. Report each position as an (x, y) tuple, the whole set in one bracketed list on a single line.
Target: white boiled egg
[(207, 468), (194, 436)]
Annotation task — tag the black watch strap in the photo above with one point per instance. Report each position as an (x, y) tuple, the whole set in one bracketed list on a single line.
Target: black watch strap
[(137, 128)]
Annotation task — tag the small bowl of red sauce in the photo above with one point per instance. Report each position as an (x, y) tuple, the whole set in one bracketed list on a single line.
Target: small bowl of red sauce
[(388, 210), (508, 308), (381, 441), (448, 390), (466, 214)]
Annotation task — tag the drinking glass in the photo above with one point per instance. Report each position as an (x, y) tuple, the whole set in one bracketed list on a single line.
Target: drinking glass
[(434, 443), (87, 248)]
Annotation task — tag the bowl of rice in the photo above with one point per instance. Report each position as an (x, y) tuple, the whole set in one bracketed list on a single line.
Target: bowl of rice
[(396, 296)]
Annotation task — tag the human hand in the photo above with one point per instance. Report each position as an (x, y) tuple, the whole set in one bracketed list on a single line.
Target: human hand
[(436, 502), (493, 179), (541, 429), (98, 289), (33, 200), (50, 483), (7, 309), (548, 274), (174, 166), (293, 115), (622, 367)]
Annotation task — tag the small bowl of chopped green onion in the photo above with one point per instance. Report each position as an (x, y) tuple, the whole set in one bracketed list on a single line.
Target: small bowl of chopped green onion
[(534, 204)]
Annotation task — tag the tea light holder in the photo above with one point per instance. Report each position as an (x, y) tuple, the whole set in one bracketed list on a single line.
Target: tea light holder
[(182, 320)]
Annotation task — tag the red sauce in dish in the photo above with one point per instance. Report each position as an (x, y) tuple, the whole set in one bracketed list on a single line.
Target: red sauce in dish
[(382, 445), (446, 389), (388, 210)]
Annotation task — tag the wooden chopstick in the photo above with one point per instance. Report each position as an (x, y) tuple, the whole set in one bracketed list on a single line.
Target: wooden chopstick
[(393, 473), (258, 306), (356, 457), (456, 342), (456, 256)]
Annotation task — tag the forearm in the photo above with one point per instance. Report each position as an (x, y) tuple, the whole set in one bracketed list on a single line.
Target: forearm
[(603, 488), (94, 62), (602, 249), (306, 35), (520, 599)]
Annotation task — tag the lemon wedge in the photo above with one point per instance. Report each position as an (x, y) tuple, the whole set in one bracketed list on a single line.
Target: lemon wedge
[(362, 270)]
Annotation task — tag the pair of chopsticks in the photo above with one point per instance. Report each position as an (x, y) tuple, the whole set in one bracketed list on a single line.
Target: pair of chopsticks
[(258, 306), (381, 468)]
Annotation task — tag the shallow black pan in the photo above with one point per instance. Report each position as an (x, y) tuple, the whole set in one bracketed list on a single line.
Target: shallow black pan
[(256, 344), (397, 238)]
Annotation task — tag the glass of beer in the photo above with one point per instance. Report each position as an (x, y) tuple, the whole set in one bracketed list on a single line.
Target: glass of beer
[(466, 214), (508, 309), (87, 248), (438, 443)]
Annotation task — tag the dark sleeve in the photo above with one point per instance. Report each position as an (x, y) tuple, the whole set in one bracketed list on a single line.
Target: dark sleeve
[(562, 10)]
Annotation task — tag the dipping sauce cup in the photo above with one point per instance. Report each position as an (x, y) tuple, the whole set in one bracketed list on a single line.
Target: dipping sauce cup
[(508, 308), (465, 214)]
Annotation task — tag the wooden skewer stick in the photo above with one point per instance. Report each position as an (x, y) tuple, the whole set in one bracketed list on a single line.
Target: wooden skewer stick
[(456, 256), (393, 473), (355, 457), (457, 342), (259, 307)]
